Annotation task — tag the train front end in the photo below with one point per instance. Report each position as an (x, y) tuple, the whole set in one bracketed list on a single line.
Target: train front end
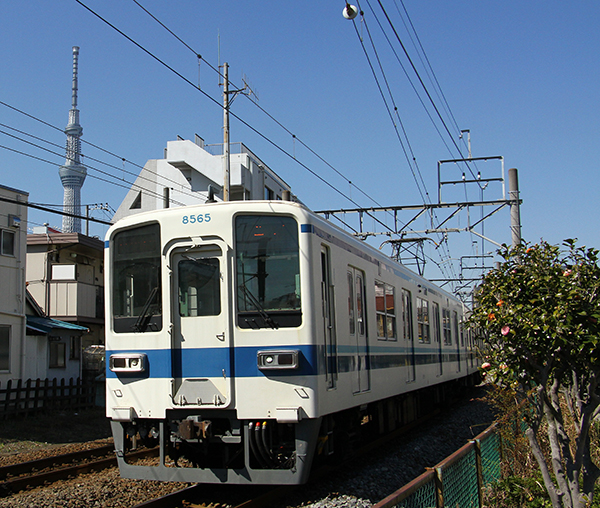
[(208, 355)]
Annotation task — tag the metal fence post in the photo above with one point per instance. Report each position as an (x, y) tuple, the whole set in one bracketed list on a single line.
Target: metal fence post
[(479, 467), (439, 488)]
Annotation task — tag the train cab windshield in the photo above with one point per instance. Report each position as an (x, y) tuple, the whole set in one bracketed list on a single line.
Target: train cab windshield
[(136, 295), (268, 271)]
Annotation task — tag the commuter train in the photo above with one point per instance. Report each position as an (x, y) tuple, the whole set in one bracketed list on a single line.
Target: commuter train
[(248, 338)]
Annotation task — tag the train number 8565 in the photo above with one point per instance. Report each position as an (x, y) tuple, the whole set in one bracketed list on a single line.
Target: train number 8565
[(193, 219)]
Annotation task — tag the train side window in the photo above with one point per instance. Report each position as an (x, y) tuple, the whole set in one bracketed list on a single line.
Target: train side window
[(423, 320), (351, 314), (386, 311), (446, 326)]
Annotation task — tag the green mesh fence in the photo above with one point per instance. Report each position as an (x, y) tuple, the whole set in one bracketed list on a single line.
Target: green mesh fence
[(490, 458), (457, 479), (422, 498)]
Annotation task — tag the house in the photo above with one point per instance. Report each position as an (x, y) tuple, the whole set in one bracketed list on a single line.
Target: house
[(13, 233), (52, 348), (65, 276)]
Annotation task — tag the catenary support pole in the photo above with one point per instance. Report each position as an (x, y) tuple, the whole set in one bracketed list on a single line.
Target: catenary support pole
[(515, 212)]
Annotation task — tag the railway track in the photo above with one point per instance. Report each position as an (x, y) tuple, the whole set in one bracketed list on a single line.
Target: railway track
[(434, 424), (365, 480), (268, 496), (21, 476)]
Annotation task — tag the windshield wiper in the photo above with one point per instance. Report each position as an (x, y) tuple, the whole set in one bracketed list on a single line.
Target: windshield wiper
[(261, 310), (144, 318)]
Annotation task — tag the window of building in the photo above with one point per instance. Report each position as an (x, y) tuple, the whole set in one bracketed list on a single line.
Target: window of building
[(4, 348), (386, 311), (423, 320), (58, 357), (137, 202), (446, 326), (75, 352), (8, 242), (269, 194)]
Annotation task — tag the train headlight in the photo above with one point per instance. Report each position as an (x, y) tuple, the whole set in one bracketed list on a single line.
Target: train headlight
[(127, 362), (284, 359)]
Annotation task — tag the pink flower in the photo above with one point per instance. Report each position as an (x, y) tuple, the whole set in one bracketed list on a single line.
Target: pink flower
[(566, 273), (486, 365), (505, 330)]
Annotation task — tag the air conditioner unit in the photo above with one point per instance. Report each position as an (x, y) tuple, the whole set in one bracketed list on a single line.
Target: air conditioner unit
[(14, 221)]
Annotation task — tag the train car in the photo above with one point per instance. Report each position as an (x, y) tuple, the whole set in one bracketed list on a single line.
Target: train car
[(245, 338)]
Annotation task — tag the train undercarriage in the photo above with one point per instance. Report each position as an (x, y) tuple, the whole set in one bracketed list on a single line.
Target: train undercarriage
[(216, 447)]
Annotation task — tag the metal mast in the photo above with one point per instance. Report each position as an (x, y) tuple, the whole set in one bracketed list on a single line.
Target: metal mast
[(73, 173)]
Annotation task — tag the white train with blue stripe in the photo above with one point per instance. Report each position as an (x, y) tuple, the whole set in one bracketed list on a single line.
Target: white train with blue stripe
[(247, 338)]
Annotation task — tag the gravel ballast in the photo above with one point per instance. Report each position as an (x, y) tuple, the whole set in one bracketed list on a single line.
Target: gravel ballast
[(360, 483)]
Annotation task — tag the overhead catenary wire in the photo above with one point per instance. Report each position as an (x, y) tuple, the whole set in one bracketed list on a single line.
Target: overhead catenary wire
[(263, 110), (118, 184), (237, 117), (443, 243), (288, 131), (277, 122), (425, 61), (420, 80)]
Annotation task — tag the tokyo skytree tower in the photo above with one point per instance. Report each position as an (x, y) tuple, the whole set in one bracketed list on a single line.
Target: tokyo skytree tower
[(73, 173)]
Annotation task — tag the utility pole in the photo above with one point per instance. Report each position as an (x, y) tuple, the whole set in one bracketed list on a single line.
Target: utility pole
[(515, 212), (226, 104), (226, 158)]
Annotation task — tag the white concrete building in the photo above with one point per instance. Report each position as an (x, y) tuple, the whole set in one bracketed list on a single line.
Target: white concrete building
[(183, 178)]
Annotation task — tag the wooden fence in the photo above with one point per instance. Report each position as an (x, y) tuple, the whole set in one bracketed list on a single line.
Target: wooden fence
[(32, 396)]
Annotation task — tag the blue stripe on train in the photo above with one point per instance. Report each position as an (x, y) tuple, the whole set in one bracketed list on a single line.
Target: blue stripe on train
[(216, 362)]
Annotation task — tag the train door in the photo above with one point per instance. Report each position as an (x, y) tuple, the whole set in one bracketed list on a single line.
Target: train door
[(456, 334), (201, 361), (437, 336), (361, 380), (327, 305), (409, 338)]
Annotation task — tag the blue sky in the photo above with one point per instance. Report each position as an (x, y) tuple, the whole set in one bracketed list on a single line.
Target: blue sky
[(522, 76)]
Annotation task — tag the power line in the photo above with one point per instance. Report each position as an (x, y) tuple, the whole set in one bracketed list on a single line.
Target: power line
[(45, 209), (421, 82), (427, 64), (443, 243), (87, 157), (264, 111), (237, 117)]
